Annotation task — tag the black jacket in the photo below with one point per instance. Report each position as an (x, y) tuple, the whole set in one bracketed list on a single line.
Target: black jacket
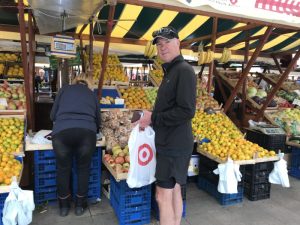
[(75, 106), (174, 108)]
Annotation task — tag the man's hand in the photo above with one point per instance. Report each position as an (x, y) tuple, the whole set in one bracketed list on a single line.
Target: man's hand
[(145, 120)]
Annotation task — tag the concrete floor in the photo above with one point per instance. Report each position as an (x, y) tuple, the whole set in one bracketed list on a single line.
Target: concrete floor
[(202, 209)]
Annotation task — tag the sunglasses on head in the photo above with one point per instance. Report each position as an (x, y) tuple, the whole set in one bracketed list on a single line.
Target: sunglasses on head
[(163, 30)]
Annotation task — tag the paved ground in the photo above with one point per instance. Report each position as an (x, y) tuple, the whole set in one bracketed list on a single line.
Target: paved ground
[(202, 209)]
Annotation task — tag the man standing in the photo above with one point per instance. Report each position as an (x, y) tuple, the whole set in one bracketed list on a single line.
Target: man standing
[(171, 120)]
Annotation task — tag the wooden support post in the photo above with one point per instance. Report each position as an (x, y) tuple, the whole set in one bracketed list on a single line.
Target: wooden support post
[(29, 107), (278, 85), (277, 63), (220, 84), (106, 47), (31, 62), (211, 64), (81, 55), (91, 49), (248, 67), (244, 97)]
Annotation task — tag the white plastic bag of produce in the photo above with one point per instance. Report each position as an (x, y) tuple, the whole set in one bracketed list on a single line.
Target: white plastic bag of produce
[(142, 154), (279, 174), (18, 206), (42, 137), (229, 176)]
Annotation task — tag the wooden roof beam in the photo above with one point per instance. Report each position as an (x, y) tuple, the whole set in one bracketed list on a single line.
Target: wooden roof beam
[(203, 13), (230, 31)]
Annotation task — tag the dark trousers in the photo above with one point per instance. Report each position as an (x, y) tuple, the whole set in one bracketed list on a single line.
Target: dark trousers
[(67, 144)]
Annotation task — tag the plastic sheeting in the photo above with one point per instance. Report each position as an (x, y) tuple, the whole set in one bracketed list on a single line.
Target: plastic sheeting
[(48, 14)]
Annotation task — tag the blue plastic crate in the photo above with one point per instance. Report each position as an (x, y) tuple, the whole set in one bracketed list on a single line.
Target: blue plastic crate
[(295, 161), (3, 196), (42, 195), (112, 93), (45, 166), (43, 155), (123, 189), (137, 215), (44, 180), (223, 199)]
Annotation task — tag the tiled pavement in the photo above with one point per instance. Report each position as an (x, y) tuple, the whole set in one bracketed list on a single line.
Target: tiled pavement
[(202, 209)]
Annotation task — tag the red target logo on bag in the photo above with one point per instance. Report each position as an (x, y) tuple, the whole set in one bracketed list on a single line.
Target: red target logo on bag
[(145, 154)]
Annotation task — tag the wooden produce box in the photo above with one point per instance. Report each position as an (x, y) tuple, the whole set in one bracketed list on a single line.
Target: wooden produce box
[(117, 176)]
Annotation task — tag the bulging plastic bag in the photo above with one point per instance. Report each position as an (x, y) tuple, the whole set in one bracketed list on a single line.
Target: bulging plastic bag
[(142, 154), (279, 174), (42, 137), (18, 206), (229, 176)]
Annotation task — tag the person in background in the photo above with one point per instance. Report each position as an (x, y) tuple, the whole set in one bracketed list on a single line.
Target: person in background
[(38, 79), (76, 121), (171, 120)]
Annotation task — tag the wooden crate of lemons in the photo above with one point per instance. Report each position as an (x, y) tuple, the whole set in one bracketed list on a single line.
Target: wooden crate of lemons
[(135, 98), (225, 139)]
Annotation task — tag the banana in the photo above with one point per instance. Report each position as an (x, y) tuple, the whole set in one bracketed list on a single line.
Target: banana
[(210, 56), (152, 51), (202, 56), (222, 59), (228, 55), (146, 52)]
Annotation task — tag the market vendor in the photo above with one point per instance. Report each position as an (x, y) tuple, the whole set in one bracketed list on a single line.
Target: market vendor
[(171, 119)]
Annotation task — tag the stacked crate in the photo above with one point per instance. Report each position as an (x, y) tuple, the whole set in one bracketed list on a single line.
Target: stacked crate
[(131, 205), (45, 189), (208, 181), (94, 192), (154, 204), (3, 196), (44, 176), (295, 163), (256, 185)]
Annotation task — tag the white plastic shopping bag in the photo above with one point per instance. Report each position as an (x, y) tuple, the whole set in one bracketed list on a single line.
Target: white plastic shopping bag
[(142, 154), (279, 174), (229, 176), (18, 206)]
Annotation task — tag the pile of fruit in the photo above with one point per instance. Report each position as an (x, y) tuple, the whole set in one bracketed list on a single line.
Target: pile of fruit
[(288, 119), (9, 167), (151, 94), (118, 159), (289, 96), (135, 98), (1, 68), (260, 96), (116, 127), (15, 71), (114, 69), (157, 76), (11, 135), (108, 100), (14, 95), (8, 57), (225, 139), (205, 101)]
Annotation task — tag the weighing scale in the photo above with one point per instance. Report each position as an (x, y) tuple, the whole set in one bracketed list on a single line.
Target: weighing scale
[(268, 129)]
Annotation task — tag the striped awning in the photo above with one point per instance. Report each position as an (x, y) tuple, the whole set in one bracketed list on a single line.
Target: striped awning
[(138, 23)]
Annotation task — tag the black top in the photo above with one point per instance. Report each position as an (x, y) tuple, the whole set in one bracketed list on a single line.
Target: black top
[(174, 109), (75, 106)]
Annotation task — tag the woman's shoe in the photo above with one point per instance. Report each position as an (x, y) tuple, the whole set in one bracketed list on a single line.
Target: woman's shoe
[(64, 206), (80, 205)]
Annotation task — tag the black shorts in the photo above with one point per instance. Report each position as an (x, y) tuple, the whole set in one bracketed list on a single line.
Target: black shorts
[(171, 170)]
